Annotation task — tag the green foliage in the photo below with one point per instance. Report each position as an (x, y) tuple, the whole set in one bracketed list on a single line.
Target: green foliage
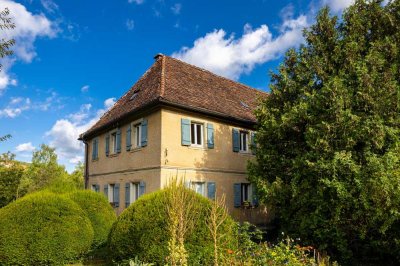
[(43, 170), (99, 211), (43, 229), (142, 230), (5, 45), (328, 155), (11, 172)]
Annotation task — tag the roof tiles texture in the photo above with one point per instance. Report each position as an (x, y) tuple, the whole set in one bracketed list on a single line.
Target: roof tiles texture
[(173, 81)]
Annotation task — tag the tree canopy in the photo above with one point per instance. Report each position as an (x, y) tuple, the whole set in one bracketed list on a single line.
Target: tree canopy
[(328, 154)]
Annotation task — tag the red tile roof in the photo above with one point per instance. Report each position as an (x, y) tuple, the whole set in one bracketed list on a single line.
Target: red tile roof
[(171, 81)]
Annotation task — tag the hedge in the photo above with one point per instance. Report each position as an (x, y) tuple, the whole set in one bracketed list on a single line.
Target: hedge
[(141, 230), (99, 211), (43, 229)]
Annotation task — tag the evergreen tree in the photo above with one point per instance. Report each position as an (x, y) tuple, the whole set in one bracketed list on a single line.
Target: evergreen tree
[(328, 155)]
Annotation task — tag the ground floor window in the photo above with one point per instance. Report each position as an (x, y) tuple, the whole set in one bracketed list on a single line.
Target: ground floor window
[(133, 190), (111, 191), (244, 195), (199, 187), (95, 188)]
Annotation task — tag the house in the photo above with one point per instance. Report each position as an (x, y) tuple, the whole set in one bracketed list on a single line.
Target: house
[(180, 121)]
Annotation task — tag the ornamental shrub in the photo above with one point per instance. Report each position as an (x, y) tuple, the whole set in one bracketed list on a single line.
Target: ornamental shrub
[(99, 211), (43, 229), (142, 231)]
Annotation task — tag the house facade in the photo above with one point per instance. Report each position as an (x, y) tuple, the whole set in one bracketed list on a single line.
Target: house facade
[(177, 121)]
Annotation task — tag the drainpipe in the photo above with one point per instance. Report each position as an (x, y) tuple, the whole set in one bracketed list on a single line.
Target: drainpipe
[(86, 173)]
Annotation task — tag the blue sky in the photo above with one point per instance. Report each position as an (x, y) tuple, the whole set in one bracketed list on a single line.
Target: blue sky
[(74, 58)]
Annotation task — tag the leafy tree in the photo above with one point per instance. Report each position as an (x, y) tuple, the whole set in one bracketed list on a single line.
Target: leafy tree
[(43, 171), (77, 176), (11, 172), (6, 24), (328, 157)]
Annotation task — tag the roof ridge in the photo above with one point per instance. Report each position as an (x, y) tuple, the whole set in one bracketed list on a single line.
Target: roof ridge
[(219, 76), (162, 81)]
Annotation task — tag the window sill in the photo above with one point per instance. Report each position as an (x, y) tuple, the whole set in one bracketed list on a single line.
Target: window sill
[(113, 155), (196, 147), (136, 149), (95, 160)]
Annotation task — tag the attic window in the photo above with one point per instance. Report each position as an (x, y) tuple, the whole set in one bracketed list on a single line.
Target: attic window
[(244, 105), (135, 93)]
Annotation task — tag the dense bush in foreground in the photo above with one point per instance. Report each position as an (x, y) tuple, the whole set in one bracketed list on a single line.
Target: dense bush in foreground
[(43, 229), (142, 230), (99, 211)]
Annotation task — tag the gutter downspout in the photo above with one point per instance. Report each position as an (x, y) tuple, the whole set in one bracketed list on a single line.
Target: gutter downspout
[(86, 173)]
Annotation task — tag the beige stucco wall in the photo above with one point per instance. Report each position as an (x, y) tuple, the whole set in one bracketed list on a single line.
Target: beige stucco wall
[(148, 156), (164, 158), (220, 164)]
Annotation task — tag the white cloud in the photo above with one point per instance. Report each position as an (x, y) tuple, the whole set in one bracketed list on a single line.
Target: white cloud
[(25, 147), (65, 132), (338, 5), (85, 88), (231, 57), (138, 2), (28, 28), (49, 5), (15, 107), (176, 8), (130, 24)]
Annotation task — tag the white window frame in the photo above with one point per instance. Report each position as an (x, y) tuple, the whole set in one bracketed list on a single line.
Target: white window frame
[(133, 192), (201, 184), (243, 188), (244, 135), (195, 144), (111, 193), (137, 135), (113, 142)]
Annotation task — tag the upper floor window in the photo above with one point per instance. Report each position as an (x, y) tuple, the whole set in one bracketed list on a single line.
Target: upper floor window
[(196, 134), (95, 149), (136, 134), (243, 142), (113, 142)]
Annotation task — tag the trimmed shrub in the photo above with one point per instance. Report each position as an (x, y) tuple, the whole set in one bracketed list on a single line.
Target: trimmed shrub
[(43, 229), (99, 211), (142, 231)]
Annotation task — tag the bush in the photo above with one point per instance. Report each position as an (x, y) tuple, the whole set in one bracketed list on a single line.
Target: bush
[(99, 211), (43, 229), (142, 230)]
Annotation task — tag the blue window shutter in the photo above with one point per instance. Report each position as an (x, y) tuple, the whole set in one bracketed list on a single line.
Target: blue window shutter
[(143, 141), (253, 142), (236, 194), (107, 144), (127, 194), (106, 191), (118, 140), (142, 188), (97, 149), (116, 195), (211, 190), (128, 138), (210, 136), (235, 140), (254, 195), (185, 132), (94, 149)]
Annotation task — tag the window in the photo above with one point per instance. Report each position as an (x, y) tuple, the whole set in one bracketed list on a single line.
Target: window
[(134, 192), (95, 149), (137, 135), (245, 192), (111, 193), (95, 188), (196, 134), (244, 145), (199, 187), (113, 140)]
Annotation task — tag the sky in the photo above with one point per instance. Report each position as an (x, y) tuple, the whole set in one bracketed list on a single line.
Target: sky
[(73, 59)]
